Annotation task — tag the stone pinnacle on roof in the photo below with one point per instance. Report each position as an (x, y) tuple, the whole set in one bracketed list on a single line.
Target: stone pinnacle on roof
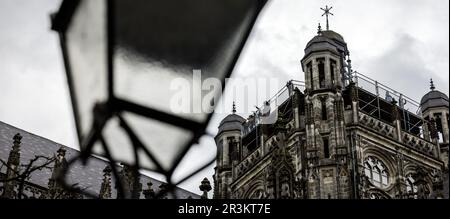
[(17, 138), (105, 189), (61, 151), (205, 187), (149, 193)]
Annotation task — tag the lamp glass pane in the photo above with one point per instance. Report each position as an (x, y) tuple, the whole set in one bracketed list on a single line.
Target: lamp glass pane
[(163, 140), (159, 43), (86, 47)]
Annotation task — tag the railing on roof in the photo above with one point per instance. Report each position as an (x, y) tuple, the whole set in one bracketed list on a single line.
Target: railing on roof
[(411, 121), (388, 93), (274, 103)]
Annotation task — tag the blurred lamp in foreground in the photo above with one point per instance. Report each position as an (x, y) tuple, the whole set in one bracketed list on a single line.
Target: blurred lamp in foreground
[(121, 58)]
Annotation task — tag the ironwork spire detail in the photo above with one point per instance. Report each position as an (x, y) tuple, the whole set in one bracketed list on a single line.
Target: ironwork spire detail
[(326, 13)]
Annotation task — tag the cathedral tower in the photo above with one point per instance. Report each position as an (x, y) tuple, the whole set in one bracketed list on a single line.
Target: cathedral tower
[(434, 108), (228, 140), (324, 68)]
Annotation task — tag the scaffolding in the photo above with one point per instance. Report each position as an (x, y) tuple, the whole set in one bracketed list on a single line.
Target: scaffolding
[(376, 99), (277, 103)]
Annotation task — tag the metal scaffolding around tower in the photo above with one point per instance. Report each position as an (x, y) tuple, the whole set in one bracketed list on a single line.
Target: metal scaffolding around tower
[(279, 105), (377, 99)]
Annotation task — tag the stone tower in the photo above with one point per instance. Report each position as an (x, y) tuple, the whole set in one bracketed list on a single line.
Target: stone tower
[(323, 64), (434, 108), (227, 140)]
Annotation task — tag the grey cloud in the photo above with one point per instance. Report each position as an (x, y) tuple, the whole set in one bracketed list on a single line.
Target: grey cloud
[(402, 68)]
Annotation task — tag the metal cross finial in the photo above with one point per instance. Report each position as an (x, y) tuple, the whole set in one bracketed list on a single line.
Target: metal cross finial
[(234, 107), (326, 13), (432, 87)]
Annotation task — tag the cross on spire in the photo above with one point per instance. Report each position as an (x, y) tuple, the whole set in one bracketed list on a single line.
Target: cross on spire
[(326, 13), (234, 108), (432, 87)]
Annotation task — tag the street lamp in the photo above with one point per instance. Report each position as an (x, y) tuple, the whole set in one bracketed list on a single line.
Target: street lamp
[(121, 58)]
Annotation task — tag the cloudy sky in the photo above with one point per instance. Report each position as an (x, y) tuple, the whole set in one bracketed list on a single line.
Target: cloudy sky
[(401, 43)]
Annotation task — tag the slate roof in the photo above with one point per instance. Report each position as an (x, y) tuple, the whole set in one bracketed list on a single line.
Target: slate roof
[(433, 98), (88, 177), (327, 40), (232, 122)]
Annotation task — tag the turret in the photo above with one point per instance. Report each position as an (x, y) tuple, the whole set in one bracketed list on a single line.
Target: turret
[(325, 66), (434, 108), (228, 152), (323, 62)]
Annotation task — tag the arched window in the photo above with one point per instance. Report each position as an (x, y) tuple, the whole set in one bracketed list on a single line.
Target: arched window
[(321, 68), (310, 72), (377, 172), (324, 109), (332, 69), (326, 147), (384, 178), (258, 194), (376, 176)]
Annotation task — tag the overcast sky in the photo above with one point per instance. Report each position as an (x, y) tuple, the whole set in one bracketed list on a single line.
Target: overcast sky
[(401, 43)]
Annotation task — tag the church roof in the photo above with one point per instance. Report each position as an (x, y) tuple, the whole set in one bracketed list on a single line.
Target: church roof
[(326, 40), (88, 177), (434, 98), (232, 122), (327, 35)]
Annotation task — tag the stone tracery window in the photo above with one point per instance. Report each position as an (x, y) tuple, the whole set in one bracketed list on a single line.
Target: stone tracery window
[(377, 172), (258, 194), (376, 196)]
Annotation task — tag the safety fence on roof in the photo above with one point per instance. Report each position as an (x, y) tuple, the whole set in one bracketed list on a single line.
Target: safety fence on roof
[(274, 103), (376, 98), (386, 92)]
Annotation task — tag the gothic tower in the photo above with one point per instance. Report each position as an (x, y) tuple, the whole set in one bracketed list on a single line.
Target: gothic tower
[(227, 140), (434, 108), (323, 64)]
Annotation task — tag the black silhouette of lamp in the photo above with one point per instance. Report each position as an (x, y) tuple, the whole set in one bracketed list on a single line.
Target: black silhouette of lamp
[(121, 58)]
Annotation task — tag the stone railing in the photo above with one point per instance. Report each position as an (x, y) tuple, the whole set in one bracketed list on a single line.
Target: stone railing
[(412, 141), (377, 125), (33, 192), (419, 144), (30, 191), (248, 162)]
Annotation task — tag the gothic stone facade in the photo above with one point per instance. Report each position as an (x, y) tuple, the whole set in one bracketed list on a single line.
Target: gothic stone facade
[(329, 143)]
